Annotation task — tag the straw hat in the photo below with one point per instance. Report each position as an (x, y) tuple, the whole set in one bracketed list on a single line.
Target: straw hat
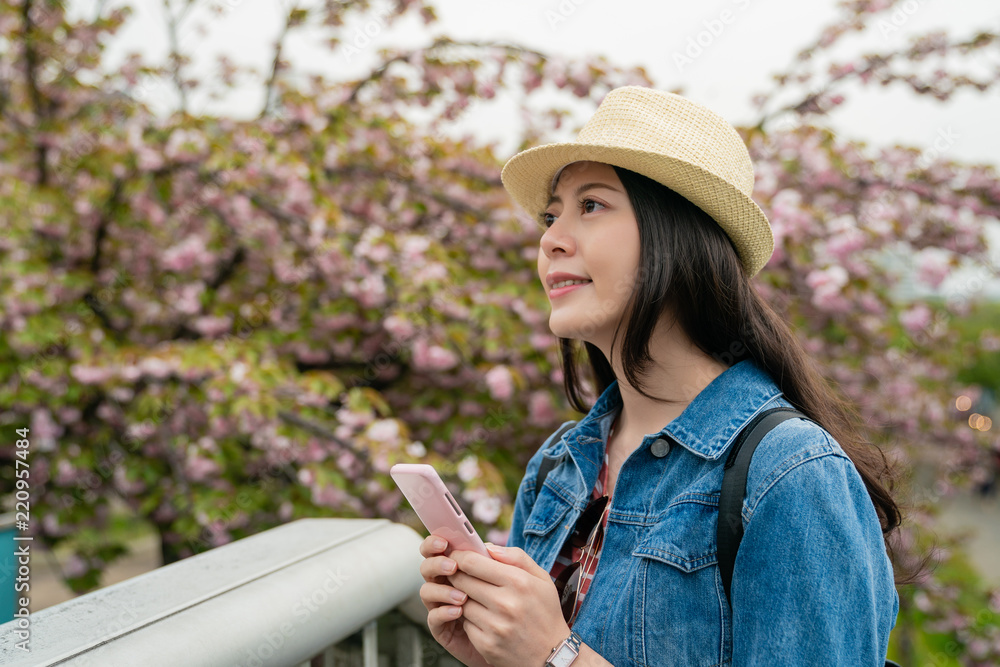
[(672, 140)]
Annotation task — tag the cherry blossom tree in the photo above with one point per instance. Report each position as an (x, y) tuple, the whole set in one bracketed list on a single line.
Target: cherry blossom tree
[(222, 325)]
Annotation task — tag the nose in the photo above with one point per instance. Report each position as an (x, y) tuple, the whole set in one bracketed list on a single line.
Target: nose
[(557, 239)]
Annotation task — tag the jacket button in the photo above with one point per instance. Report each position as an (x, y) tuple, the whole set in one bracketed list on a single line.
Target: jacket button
[(660, 448)]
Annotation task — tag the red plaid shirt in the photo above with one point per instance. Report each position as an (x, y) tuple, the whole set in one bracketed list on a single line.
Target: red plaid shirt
[(571, 554)]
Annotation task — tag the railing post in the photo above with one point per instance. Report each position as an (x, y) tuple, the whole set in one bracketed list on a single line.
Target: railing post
[(409, 646), (369, 639)]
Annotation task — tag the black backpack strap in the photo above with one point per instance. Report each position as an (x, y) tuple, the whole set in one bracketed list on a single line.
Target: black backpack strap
[(734, 488), (549, 463)]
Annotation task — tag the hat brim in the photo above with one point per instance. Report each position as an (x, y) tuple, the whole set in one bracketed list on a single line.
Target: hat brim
[(527, 177)]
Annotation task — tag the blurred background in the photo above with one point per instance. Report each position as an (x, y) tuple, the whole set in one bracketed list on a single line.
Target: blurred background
[(256, 252)]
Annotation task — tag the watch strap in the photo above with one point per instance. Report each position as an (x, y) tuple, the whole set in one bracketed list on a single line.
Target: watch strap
[(572, 642)]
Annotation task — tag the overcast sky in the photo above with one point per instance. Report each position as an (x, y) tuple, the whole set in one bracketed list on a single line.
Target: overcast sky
[(747, 40)]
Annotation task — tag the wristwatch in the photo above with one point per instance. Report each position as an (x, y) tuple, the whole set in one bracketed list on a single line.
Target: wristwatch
[(564, 654)]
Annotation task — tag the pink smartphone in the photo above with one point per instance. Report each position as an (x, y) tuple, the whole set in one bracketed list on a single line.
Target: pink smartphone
[(436, 507)]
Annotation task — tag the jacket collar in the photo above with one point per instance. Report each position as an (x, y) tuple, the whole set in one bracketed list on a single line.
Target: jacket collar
[(709, 423)]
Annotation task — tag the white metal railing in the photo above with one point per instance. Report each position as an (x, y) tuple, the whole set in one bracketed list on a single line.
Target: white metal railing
[(315, 592)]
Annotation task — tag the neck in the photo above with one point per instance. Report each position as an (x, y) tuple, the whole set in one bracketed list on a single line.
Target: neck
[(678, 373)]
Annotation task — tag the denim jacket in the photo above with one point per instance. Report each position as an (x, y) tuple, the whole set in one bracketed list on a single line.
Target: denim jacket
[(812, 583)]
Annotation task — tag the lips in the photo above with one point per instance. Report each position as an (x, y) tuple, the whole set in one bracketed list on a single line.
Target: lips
[(566, 289)]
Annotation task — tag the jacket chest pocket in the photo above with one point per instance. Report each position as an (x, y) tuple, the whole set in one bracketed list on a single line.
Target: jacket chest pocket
[(541, 534), (679, 602)]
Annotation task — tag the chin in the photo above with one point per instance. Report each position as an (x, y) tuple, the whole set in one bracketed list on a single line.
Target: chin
[(566, 325)]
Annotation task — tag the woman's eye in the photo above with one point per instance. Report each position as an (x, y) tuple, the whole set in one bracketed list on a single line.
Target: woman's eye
[(548, 219), (586, 205)]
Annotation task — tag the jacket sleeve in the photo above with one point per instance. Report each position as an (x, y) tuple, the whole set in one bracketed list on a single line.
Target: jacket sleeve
[(812, 584), (526, 493)]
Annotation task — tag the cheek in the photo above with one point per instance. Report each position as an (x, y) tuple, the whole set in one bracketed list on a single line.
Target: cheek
[(543, 265)]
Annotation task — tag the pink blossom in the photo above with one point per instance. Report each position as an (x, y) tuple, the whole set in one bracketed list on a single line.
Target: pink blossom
[(500, 383), (845, 240), (155, 367), (827, 285), (933, 266), (398, 327), (308, 355), (149, 159), (185, 255), (416, 450), (370, 291), (487, 509), (354, 419), (916, 318), (468, 468), (90, 374), (542, 341), (334, 323), (427, 357), (329, 496), (44, 430), (385, 431), (211, 326), (433, 271), (498, 537), (541, 411), (200, 468), (74, 567)]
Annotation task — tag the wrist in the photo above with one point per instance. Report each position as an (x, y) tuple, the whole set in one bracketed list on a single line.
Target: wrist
[(566, 652)]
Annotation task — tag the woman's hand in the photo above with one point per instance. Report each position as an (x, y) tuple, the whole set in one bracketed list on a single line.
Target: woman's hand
[(444, 611), (512, 615)]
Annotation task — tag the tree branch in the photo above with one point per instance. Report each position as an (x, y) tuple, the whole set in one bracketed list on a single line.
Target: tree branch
[(37, 103), (102, 226), (175, 55), (276, 63), (439, 43), (321, 432)]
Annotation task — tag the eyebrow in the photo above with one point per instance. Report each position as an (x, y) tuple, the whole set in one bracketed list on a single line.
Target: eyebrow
[(580, 190)]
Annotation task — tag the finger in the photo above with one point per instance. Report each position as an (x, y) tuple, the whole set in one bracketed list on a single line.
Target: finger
[(440, 616), (519, 558), (476, 613), (437, 568), (433, 545), (475, 589), (477, 635), (481, 567), (434, 595)]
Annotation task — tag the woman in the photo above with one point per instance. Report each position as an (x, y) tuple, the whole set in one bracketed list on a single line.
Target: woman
[(651, 239)]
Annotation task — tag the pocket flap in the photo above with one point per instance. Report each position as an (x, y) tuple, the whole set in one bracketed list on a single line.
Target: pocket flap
[(684, 536), (548, 511)]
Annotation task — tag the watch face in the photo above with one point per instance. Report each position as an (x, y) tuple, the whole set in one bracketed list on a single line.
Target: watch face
[(563, 657)]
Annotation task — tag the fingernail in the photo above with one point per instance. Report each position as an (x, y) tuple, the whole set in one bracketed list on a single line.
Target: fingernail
[(458, 596), (454, 611), (495, 549), (449, 566), (439, 544)]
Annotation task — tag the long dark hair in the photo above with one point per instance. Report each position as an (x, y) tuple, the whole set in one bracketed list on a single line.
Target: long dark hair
[(691, 269)]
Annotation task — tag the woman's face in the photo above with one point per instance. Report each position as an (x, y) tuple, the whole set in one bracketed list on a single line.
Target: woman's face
[(592, 236)]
